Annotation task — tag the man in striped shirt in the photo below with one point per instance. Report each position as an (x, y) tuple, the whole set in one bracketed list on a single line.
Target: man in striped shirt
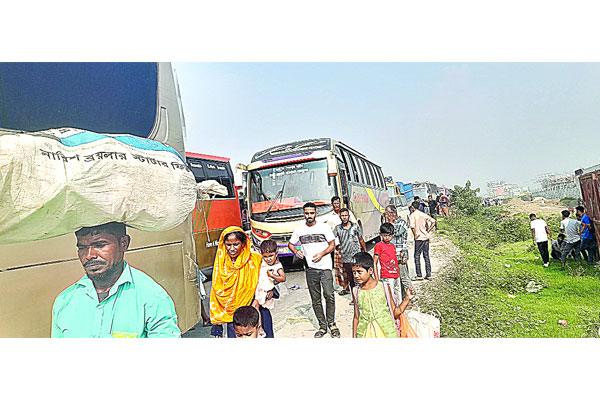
[(400, 241), (351, 242)]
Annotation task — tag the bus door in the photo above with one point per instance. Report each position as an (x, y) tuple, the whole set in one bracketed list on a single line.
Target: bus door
[(343, 183)]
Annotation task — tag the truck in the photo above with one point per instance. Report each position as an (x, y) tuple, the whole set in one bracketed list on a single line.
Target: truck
[(590, 193)]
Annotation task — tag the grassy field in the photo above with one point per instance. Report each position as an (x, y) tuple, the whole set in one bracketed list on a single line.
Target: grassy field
[(498, 287)]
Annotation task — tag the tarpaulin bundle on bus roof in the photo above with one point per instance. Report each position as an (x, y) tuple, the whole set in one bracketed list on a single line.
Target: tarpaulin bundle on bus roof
[(56, 181)]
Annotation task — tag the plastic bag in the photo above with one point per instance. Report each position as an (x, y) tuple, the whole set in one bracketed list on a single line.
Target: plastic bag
[(406, 330), (425, 325)]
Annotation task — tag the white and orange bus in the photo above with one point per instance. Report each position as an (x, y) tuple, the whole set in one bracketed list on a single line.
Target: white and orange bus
[(281, 179)]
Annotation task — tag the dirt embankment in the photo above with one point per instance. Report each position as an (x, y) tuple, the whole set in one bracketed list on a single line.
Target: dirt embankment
[(539, 205)]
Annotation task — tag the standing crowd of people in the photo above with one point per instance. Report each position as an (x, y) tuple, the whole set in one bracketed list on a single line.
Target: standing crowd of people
[(334, 253), (577, 238)]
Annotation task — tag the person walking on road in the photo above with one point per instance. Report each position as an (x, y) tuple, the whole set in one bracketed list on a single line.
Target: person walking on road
[(421, 225), (588, 241), (350, 237), (334, 219), (236, 271), (400, 240), (444, 202), (433, 206), (570, 228), (317, 241), (540, 233)]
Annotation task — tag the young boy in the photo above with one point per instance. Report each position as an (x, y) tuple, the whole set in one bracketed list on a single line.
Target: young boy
[(557, 246), (245, 322), (384, 254), (271, 270)]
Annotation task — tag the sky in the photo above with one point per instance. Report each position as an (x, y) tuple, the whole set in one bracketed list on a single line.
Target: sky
[(441, 122)]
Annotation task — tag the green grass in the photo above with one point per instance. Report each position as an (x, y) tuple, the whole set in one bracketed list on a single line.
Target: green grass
[(498, 259)]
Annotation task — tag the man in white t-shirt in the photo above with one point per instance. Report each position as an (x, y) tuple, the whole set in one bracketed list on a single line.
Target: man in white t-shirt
[(540, 233), (570, 227), (317, 241)]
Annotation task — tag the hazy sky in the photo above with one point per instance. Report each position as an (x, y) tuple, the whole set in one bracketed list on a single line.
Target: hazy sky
[(442, 122)]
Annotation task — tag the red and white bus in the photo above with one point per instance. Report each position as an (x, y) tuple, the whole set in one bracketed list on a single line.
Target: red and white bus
[(212, 216)]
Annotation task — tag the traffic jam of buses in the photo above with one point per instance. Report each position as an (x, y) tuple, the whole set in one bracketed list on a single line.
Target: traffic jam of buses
[(111, 227)]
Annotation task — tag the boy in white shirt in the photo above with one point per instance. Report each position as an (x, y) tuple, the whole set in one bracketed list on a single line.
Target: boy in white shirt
[(271, 271)]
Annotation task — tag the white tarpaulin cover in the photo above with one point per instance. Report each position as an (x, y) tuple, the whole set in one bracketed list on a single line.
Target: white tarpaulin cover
[(56, 181), (211, 187)]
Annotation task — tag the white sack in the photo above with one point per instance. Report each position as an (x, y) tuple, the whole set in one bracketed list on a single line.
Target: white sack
[(56, 181), (210, 187)]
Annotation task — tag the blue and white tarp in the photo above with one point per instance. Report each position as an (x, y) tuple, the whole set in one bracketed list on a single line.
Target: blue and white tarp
[(56, 181)]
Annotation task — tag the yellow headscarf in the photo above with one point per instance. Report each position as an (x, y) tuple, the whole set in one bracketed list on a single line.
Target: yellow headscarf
[(233, 285)]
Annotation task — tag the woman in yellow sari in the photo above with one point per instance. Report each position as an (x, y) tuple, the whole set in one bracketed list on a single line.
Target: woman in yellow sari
[(234, 280)]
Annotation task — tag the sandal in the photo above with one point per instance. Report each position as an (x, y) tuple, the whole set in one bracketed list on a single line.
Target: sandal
[(335, 332), (320, 333)]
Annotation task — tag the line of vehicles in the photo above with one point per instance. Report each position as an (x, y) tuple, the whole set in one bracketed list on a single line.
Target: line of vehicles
[(143, 100)]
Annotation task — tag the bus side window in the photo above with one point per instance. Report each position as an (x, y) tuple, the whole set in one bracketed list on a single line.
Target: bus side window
[(374, 181), (353, 161), (368, 178), (380, 175), (347, 164)]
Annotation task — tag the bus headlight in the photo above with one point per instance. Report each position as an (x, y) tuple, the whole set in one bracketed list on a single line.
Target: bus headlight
[(261, 234)]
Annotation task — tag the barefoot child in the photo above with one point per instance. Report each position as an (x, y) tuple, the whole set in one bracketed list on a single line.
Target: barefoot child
[(372, 311), (245, 322), (271, 270)]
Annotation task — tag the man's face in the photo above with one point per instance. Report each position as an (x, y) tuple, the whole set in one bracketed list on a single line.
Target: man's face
[(336, 205), (100, 253), (579, 214), (345, 217), (246, 332), (310, 213), (430, 198), (532, 218), (390, 216)]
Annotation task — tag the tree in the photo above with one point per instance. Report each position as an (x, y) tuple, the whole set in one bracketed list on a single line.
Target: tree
[(465, 199)]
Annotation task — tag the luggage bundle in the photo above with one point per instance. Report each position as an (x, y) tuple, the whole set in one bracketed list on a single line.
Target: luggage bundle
[(56, 181)]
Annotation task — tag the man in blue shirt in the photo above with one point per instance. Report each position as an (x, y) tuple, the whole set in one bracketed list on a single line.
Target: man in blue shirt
[(588, 241), (112, 299)]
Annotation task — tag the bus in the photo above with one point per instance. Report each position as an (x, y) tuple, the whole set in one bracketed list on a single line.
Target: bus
[(396, 198), (211, 216), (141, 99), (281, 179)]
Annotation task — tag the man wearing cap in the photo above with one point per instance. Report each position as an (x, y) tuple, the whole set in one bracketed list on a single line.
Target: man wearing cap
[(113, 299)]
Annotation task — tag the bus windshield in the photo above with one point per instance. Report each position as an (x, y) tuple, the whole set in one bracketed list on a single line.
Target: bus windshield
[(289, 186), (100, 97)]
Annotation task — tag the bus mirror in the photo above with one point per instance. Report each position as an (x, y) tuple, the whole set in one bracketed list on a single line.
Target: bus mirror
[(331, 167), (243, 167)]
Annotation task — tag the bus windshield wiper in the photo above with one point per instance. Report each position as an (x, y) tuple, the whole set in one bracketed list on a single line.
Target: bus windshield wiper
[(280, 193)]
